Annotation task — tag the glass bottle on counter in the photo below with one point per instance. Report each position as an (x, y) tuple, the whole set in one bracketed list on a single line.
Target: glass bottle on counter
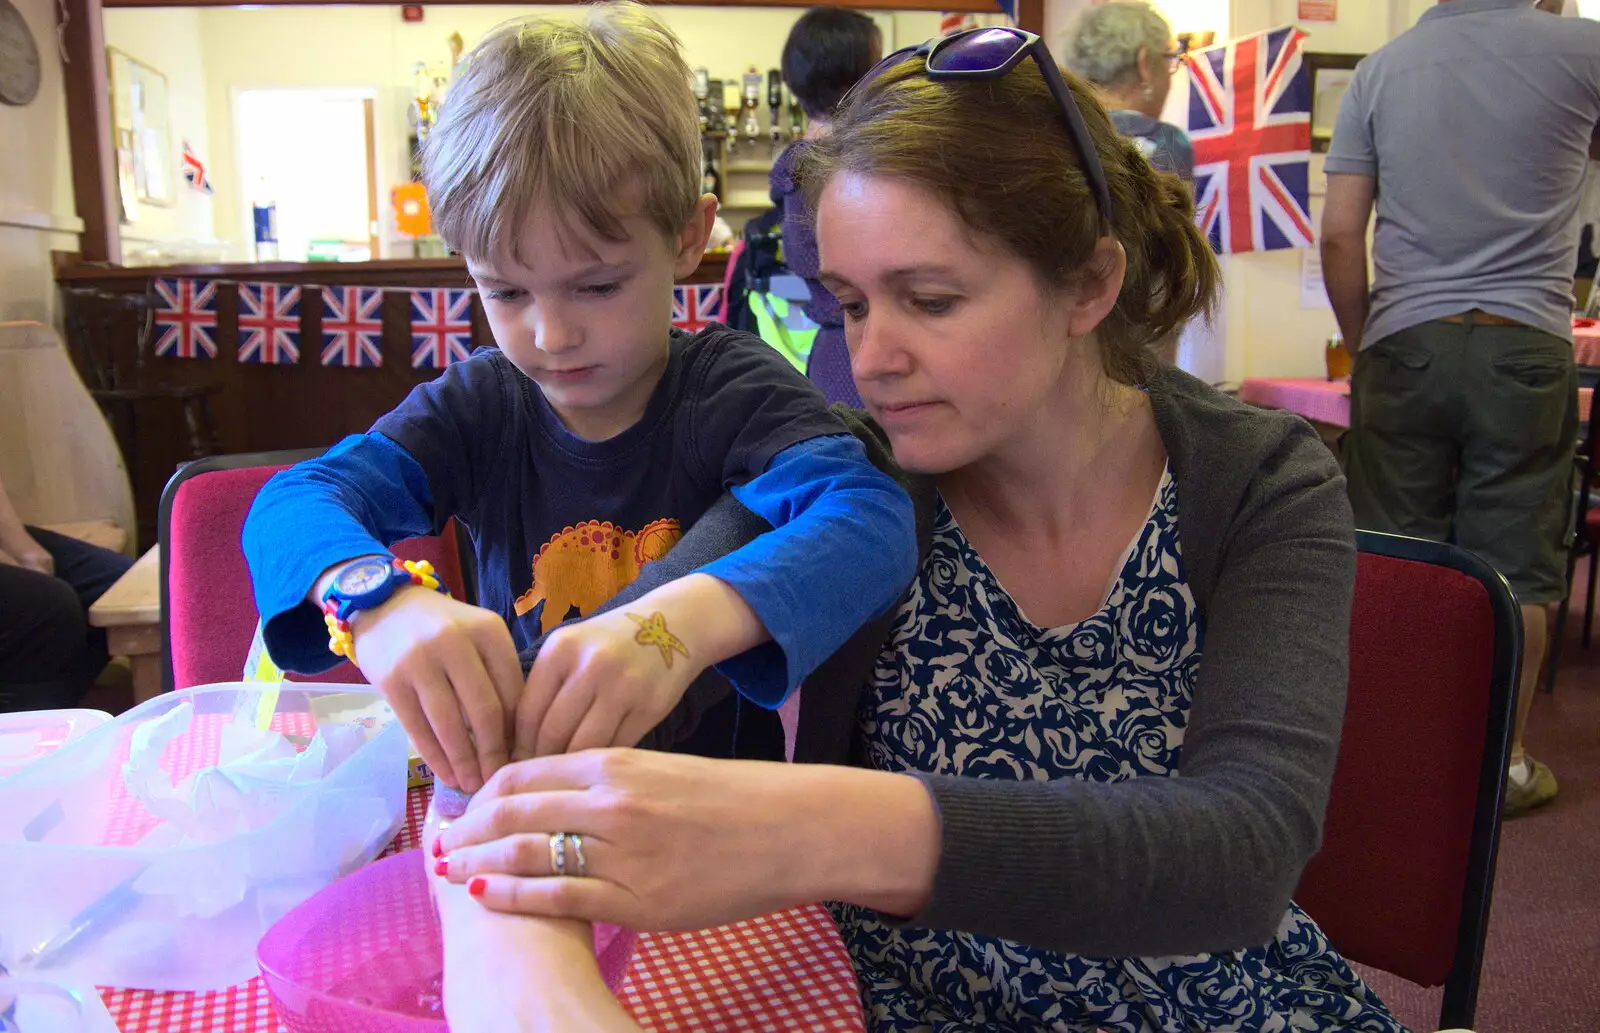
[(265, 218)]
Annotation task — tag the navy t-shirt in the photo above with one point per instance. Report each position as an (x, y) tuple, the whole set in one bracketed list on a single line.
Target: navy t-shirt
[(583, 515), (561, 524)]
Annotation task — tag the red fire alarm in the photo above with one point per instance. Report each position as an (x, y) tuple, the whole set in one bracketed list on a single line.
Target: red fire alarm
[(411, 13)]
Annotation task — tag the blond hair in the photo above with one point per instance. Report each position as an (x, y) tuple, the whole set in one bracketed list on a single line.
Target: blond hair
[(580, 115)]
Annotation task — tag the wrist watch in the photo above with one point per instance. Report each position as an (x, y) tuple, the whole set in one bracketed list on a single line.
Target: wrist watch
[(366, 583), (363, 584)]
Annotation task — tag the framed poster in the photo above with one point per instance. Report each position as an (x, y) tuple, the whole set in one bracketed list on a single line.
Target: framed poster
[(1330, 76), (141, 129)]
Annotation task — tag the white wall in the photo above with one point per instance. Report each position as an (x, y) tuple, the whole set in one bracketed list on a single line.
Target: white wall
[(1267, 332), (168, 40), (36, 209)]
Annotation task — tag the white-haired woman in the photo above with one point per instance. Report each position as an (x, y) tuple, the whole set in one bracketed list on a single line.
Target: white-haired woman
[(1126, 48)]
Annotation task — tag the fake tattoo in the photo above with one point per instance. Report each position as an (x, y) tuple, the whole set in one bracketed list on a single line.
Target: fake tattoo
[(653, 632)]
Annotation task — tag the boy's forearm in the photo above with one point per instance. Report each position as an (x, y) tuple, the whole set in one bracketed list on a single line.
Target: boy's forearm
[(711, 618), (815, 580)]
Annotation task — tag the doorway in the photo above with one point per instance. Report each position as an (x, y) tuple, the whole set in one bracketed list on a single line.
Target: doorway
[(310, 153)]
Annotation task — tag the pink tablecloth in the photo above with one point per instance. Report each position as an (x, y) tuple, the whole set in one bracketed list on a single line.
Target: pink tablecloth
[(1586, 344), (1315, 398), (1328, 401), (784, 971)]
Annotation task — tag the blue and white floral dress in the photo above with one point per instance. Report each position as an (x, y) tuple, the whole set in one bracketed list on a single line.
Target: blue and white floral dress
[(968, 686)]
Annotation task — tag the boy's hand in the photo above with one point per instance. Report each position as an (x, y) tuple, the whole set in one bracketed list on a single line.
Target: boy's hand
[(446, 667), (608, 680), (605, 681)]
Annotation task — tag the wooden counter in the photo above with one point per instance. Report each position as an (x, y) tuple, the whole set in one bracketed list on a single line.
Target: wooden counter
[(263, 408)]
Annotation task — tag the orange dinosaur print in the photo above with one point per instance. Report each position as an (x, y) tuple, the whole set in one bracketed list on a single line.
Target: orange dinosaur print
[(585, 565)]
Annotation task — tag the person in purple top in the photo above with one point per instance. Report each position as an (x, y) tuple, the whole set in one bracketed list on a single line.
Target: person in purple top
[(827, 51)]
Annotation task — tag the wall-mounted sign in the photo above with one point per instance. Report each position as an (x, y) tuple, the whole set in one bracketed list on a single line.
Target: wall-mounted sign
[(1319, 10)]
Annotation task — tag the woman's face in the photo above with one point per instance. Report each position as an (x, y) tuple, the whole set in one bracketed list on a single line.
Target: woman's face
[(953, 346), (1158, 71)]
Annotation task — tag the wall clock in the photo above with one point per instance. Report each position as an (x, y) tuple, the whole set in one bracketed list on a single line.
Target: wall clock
[(19, 58)]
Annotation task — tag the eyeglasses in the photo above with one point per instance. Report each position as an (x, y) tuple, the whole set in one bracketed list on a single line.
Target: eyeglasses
[(1174, 57), (988, 53)]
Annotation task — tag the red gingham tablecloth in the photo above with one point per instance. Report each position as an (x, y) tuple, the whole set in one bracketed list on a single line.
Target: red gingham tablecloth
[(785, 971)]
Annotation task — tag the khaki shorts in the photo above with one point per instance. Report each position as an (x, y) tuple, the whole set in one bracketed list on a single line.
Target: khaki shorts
[(1464, 433)]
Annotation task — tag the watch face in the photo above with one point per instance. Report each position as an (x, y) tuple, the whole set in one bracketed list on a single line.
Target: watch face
[(361, 577)]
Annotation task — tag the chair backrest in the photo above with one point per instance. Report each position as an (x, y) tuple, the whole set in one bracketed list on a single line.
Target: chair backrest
[(1406, 870), (58, 458), (208, 611)]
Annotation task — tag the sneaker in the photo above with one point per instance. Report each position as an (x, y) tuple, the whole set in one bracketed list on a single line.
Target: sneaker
[(1522, 797)]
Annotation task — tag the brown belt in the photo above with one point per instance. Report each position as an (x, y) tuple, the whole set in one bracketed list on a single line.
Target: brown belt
[(1478, 317)]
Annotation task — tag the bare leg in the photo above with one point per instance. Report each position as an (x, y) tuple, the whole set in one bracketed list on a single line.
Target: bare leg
[(1535, 640)]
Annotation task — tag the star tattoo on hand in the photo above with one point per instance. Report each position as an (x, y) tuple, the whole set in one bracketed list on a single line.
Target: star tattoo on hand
[(653, 632)]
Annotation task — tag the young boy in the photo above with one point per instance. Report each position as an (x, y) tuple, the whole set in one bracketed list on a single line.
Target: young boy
[(565, 167)]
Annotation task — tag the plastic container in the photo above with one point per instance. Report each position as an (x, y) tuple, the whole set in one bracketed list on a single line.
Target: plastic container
[(364, 955), (30, 1005), (133, 891), (31, 734)]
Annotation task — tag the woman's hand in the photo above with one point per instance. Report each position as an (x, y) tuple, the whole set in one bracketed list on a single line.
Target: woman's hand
[(512, 974), (680, 842), (608, 680), (445, 667)]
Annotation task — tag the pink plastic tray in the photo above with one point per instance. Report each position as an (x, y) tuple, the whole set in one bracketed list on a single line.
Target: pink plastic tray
[(364, 955)]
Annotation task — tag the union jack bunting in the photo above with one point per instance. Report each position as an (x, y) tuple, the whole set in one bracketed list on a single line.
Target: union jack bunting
[(696, 305), (441, 327), (269, 323), (187, 319), (1250, 122), (352, 326)]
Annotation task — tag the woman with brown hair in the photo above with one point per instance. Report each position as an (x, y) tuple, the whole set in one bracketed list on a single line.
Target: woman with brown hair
[(1070, 781)]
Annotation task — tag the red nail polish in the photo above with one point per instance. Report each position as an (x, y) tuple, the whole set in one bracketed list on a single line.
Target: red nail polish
[(438, 849), (476, 885), (441, 867)]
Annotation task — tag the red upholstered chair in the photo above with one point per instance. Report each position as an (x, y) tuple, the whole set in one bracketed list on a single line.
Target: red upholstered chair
[(1406, 870), (208, 613)]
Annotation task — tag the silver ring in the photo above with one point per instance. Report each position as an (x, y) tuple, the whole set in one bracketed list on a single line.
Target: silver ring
[(577, 849), (558, 853)]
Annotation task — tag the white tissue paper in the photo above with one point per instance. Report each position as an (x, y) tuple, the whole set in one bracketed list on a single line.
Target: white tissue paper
[(259, 775)]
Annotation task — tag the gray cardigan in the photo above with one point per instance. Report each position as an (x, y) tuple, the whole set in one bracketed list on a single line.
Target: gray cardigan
[(1198, 863)]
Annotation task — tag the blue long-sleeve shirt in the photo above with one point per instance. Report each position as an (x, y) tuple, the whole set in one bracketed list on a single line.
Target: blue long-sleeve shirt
[(560, 524)]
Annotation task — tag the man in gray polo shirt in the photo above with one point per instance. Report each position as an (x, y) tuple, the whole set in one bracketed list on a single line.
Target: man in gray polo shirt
[(1472, 130)]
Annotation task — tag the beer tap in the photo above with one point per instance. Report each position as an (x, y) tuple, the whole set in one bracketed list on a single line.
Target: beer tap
[(702, 91), (796, 126), (750, 107), (774, 108)]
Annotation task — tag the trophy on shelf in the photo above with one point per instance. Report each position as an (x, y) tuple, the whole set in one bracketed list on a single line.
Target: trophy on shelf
[(750, 108), (774, 108)]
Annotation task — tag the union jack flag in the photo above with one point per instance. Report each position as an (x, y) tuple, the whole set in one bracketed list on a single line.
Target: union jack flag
[(694, 306), (1250, 122), (187, 319), (441, 327), (269, 323), (352, 326)]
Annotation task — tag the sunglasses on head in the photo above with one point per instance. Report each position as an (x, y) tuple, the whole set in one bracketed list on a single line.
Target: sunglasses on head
[(992, 52)]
